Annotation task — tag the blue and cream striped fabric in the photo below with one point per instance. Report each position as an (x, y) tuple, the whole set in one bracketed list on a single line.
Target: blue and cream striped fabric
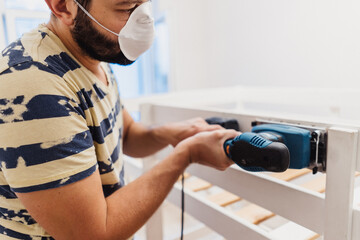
[(58, 124)]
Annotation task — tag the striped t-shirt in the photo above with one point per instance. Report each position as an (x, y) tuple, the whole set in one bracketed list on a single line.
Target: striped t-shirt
[(58, 124)]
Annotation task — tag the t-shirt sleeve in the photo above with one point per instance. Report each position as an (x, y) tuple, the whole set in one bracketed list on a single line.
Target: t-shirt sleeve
[(44, 138)]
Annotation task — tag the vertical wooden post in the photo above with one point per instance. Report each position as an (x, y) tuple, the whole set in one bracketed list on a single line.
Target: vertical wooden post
[(341, 161), (154, 225)]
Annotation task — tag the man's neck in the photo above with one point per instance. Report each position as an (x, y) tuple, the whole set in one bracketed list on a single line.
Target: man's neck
[(91, 64)]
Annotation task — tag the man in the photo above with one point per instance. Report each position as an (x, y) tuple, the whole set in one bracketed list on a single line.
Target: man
[(63, 129)]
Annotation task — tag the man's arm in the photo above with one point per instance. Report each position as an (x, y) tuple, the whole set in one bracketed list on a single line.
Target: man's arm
[(141, 141), (80, 211)]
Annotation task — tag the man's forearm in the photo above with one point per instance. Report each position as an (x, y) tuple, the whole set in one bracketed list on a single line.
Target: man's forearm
[(141, 141), (130, 207)]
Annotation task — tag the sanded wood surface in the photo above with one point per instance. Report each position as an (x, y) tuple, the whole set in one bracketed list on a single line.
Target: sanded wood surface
[(291, 174), (197, 185), (316, 236), (224, 198), (254, 213), (317, 184), (292, 230)]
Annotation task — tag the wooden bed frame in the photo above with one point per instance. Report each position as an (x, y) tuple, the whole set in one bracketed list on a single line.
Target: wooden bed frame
[(322, 204)]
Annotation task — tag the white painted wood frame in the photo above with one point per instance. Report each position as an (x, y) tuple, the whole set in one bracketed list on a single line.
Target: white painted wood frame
[(332, 215)]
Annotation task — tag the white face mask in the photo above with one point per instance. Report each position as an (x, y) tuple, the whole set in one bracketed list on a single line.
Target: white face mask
[(138, 33)]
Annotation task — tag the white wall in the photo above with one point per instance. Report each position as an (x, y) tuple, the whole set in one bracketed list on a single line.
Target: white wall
[(301, 43)]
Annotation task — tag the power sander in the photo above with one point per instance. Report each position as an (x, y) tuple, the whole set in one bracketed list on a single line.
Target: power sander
[(275, 147)]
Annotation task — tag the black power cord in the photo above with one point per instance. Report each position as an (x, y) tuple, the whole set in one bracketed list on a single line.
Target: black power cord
[(182, 206)]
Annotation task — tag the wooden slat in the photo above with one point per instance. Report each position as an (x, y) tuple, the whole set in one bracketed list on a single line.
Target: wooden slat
[(197, 185), (316, 236), (291, 174), (224, 198), (215, 217), (186, 176), (318, 184), (288, 230), (254, 213), (257, 214)]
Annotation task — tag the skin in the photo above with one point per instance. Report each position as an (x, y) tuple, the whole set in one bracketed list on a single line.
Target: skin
[(87, 214), (98, 46)]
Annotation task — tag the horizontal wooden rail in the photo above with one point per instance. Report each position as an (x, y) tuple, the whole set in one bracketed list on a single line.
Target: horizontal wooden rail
[(295, 203), (216, 217)]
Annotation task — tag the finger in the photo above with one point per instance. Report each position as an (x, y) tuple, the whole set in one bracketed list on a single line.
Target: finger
[(215, 127), (229, 134)]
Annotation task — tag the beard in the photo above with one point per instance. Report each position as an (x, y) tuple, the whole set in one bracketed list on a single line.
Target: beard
[(95, 44)]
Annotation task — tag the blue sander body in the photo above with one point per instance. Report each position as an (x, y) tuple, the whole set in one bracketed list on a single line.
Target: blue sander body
[(254, 153), (297, 140), (271, 147), (275, 147)]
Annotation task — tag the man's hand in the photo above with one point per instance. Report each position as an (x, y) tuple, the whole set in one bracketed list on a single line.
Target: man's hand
[(206, 148), (140, 141), (173, 133)]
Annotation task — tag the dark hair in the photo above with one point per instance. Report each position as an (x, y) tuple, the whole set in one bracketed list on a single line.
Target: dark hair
[(84, 3)]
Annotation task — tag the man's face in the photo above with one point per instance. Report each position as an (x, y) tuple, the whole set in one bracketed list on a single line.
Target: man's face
[(94, 41)]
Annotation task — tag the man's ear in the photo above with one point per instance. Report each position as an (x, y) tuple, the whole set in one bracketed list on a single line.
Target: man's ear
[(64, 10)]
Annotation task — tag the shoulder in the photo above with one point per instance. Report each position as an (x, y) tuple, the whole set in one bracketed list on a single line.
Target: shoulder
[(16, 58), (36, 62), (34, 89), (40, 49)]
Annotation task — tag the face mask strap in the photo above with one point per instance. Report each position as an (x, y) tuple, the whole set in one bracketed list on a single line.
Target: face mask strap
[(92, 18)]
